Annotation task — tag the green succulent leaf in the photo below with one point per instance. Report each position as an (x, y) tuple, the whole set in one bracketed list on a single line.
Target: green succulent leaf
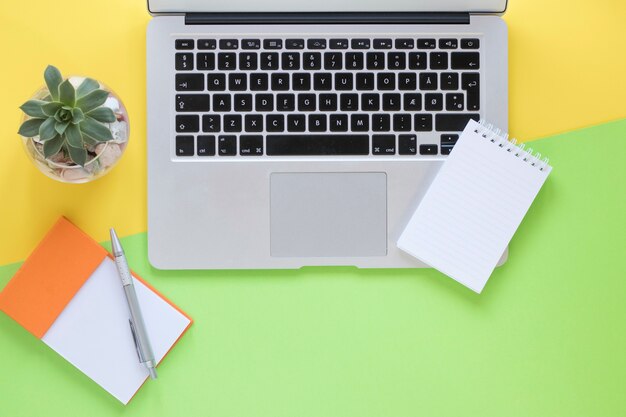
[(30, 127), (53, 78), (86, 87), (102, 114), (53, 146), (90, 141), (95, 130), (77, 115), (67, 94), (50, 109), (90, 101), (74, 136), (33, 108), (78, 155), (60, 127), (46, 130)]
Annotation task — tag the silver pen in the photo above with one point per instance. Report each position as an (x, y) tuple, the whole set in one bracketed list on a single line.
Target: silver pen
[(137, 325)]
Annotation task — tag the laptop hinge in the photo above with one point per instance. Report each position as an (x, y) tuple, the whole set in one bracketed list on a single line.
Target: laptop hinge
[(286, 18)]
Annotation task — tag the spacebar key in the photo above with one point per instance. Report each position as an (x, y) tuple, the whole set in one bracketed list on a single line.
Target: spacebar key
[(302, 145)]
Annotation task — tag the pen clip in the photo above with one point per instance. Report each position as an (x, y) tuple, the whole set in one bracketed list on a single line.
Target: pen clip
[(135, 341)]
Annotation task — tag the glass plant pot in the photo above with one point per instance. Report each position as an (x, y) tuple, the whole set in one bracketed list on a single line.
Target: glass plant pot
[(100, 158)]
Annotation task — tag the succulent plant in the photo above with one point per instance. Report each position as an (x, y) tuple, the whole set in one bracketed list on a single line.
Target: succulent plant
[(68, 119)]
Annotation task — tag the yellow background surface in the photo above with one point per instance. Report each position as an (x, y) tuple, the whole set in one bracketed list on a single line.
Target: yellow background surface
[(567, 64)]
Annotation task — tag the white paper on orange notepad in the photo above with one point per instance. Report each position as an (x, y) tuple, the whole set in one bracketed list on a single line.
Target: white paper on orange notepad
[(69, 295)]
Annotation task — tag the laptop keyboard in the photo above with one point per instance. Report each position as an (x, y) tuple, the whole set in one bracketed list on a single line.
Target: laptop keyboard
[(324, 97)]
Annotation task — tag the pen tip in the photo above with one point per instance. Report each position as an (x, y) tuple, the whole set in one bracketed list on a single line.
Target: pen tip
[(116, 246), (153, 373)]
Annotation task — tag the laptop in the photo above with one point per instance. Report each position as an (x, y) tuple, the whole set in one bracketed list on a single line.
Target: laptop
[(290, 133)]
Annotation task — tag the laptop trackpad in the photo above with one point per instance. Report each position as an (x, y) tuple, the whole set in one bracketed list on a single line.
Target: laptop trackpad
[(328, 214)]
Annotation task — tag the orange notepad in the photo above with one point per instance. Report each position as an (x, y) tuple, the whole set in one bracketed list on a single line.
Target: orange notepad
[(69, 295)]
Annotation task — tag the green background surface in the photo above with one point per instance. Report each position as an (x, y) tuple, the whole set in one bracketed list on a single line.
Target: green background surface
[(546, 338)]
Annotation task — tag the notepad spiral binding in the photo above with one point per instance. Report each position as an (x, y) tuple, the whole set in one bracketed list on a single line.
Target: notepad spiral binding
[(497, 136)]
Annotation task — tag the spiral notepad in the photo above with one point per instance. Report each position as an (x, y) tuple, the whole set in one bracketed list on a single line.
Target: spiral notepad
[(469, 214)]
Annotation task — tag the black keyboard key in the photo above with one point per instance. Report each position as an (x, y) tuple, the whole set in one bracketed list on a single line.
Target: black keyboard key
[(472, 43), (364, 81), (251, 145), (370, 101), (426, 43), (248, 61), (375, 60), (360, 44), (211, 123), (221, 102), (407, 144), (333, 61), (381, 122), (253, 123), (383, 144), (238, 82), (227, 61), (433, 101), (269, 60), (354, 60), (264, 102), (423, 122), (396, 60), (317, 123), (307, 102), (294, 44), (184, 62), (383, 43), (412, 102), (301, 81), (216, 82), (428, 149), (448, 43), (322, 81), (295, 123), (242, 102), (251, 44), (229, 43), (259, 82), (227, 145), (207, 44), (184, 43), (407, 81), (294, 145), (316, 43), (272, 44), (285, 102), (338, 44), (274, 122), (391, 102), (386, 81), (349, 102), (401, 122), (470, 83), (205, 145), (205, 61), (453, 122), (454, 102), (290, 61), (359, 122), (417, 60), (438, 60), (447, 143), (405, 43), (312, 60), (187, 123), (184, 146), (449, 81), (338, 122), (344, 81), (428, 81), (328, 102), (465, 60), (280, 81), (192, 102), (232, 123)]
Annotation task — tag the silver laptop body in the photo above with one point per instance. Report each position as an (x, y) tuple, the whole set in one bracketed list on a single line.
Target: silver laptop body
[(232, 184)]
